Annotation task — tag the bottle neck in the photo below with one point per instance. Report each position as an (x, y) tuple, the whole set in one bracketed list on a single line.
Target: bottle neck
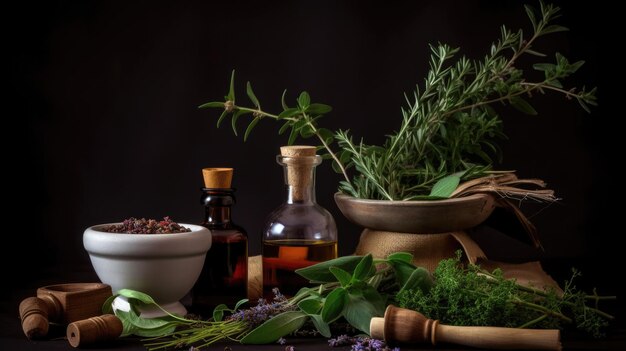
[(299, 177), (217, 207), (300, 188)]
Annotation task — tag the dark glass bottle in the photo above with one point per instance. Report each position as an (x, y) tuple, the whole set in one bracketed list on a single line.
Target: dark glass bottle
[(224, 276)]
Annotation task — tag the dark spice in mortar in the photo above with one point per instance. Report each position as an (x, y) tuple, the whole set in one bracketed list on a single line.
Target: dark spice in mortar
[(147, 226)]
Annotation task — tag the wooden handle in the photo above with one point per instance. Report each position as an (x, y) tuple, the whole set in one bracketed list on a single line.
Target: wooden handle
[(94, 329), (411, 327), (34, 316), (499, 338)]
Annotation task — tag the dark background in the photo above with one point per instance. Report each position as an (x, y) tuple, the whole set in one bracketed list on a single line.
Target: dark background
[(103, 99)]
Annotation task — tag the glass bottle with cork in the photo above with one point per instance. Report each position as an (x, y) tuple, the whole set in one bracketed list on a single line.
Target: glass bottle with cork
[(224, 276), (299, 233)]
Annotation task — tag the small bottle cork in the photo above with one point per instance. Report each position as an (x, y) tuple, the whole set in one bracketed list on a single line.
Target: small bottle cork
[(34, 315), (217, 178), (94, 329), (301, 158)]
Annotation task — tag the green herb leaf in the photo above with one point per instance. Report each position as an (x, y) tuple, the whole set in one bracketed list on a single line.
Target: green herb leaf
[(231, 90), (137, 295), (235, 117), (419, 279), (403, 270), (320, 325), (445, 186), (282, 100), (275, 328), (334, 305), (554, 29), (359, 312), (304, 100), (293, 135), (342, 276), (222, 116), (212, 104), (401, 256), (218, 312), (318, 109), (290, 112), (522, 105), (310, 305), (250, 127), (362, 270), (321, 272), (531, 15), (240, 303), (251, 95), (284, 128)]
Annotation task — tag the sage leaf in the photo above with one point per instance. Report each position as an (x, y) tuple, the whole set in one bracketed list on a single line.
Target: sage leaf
[(310, 306), (401, 256), (320, 325), (362, 269), (137, 295), (275, 328), (320, 272), (403, 271), (419, 279), (334, 305), (445, 186), (359, 312), (342, 276)]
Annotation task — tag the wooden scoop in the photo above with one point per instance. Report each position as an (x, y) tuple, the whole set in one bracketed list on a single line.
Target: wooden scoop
[(409, 327), (62, 303)]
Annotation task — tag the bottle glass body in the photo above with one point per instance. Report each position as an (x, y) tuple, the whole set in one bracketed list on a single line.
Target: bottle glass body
[(297, 234), (224, 276)]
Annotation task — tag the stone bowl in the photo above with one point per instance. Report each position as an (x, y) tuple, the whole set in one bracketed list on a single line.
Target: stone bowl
[(164, 266)]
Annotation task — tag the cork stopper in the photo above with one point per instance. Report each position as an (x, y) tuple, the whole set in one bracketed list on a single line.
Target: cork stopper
[(217, 178), (300, 160)]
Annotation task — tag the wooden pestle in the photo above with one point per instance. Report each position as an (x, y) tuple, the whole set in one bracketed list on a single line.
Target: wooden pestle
[(61, 303), (406, 326), (94, 329), (36, 313)]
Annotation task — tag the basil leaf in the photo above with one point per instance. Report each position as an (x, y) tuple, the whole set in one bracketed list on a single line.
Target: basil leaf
[(275, 328), (321, 272), (334, 305)]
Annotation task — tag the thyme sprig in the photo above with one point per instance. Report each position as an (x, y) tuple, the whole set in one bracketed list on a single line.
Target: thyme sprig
[(448, 124), (470, 295)]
